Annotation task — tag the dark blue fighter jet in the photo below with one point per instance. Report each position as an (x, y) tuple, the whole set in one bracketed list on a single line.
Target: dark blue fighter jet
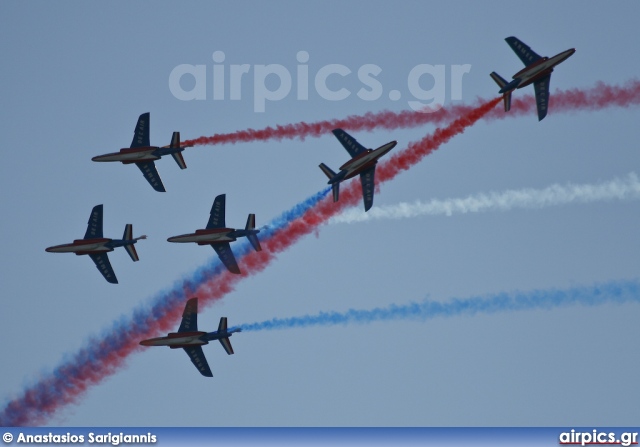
[(143, 154), (363, 161), (537, 71), (97, 246), (191, 339)]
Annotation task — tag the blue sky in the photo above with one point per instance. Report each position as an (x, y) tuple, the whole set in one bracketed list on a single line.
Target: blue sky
[(78, 75)]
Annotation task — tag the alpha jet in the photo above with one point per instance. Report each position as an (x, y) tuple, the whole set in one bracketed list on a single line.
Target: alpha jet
[(97, 246), (191, 340), (218, 235), (143, 154), (537, 72), (363, 161)]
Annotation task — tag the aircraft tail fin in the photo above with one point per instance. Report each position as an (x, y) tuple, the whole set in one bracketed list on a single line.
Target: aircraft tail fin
[(226, 344), (177, 156), (506, 96), (175, 140), (128, 236), (253, 239)]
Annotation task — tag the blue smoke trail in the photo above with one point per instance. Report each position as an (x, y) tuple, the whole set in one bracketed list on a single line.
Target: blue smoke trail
[(101, 355), (174, 295), (619, 292)]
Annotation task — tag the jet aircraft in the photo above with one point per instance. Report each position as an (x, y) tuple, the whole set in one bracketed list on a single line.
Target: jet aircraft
[(363, 161), (97, 246), (218, 235), (191, 340), (537, 71), (143, 154)]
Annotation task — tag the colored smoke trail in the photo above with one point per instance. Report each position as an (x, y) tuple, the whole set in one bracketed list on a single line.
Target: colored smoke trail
[(626, 188), (600, 96), (103, 355), (618, 292)]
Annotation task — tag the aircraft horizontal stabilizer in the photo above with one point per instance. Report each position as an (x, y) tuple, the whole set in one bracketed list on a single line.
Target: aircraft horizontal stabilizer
[(499, 79), (327, 171), (128, 236), (336, 191), (501, 83), (253, 239), (226, 344), (177, 156), (255, 243)]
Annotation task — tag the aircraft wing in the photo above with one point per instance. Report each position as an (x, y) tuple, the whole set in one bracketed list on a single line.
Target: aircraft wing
[(199, 360), (150, 172), (216, 218), (524, 52), (94, 226), (226, 256), (141, 133), (368, 184), (350, 144), (102, 262), (190, 316), (541, 87)]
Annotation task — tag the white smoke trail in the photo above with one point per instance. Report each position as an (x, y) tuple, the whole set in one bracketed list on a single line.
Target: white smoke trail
[(626, 188)]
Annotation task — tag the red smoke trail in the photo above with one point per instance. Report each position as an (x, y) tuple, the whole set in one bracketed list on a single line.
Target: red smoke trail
[(71, 380), (106, 354), (598, 97), (350, 195), (369, 121)]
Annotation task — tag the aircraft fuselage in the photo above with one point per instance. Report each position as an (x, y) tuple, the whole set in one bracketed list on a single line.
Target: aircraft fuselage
[(178, 340), (83, 247), (88, 246), (206, 237), (185, 339), (364, 161), (537, 70), (138, 154), (133, 155)]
